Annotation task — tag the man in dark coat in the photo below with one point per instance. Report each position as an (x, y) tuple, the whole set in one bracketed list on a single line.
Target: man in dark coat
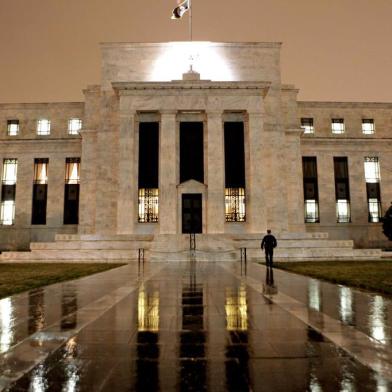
[(268, 244)]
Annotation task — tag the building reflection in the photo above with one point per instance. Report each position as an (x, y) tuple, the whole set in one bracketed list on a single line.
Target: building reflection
[(378, 319), (193, 362), (237, 356), (148, 351), (36, 311), (69, 307), (314, 295), (71, 369), (346, 306), (6, 324)]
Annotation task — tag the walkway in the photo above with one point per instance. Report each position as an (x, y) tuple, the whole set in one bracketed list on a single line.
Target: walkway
[(195, 326)]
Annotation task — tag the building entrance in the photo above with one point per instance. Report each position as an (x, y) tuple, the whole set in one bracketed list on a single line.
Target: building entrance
[(192, 213)]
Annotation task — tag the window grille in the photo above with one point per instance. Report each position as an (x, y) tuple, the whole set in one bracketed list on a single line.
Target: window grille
[(337, 125), (311, 211), (235, 204), (74, 126), (12, 127), (368, 126), (307, 125), (43, 127), (342, 190), (148, 205)]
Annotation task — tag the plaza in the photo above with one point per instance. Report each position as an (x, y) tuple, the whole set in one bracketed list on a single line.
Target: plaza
[(195, 326)]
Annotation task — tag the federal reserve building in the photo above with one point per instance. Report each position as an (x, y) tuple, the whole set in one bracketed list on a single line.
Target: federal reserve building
[(193, 142)]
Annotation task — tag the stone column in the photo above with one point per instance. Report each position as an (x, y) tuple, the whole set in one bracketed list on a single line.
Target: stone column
[(255, 203), (215, 174), (168, 173), (127, 175), (88, 182)]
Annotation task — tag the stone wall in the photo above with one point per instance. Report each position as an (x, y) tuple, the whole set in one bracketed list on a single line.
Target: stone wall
[(26, 146), (355, 146)]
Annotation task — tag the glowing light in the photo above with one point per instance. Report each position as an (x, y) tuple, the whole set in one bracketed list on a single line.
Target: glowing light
[(314, 295), (346, 305), (148, 310), (236, 309), (6, 324), (377, 319), (205, 58)]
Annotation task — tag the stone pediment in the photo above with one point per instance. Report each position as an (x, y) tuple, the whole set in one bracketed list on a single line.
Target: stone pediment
[(192, 186)]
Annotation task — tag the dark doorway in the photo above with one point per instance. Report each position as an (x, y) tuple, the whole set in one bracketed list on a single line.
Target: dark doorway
[(192, 221), (191, 151)]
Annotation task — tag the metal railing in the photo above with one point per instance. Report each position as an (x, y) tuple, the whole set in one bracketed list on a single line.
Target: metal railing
[(192, 241)]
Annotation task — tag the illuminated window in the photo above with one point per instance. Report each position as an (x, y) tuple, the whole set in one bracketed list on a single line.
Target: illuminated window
[(41, 171), (40, 191), (368, 126), (342, 190), (311, 211), (372, 178), (72, 170), (43, 127), (343, 211), (309, 168), (71, 191), (12, 127), (307, 125), (337, 125), (74, 126), (148, 205), (8, 188), (235, 204)]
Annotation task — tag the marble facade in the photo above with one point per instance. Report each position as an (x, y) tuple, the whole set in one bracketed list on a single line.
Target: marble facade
[(240, 81)]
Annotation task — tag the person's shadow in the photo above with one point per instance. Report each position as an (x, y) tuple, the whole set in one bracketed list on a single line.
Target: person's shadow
[(269, 287)]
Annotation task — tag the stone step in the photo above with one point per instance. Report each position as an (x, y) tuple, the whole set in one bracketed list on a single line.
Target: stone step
[(198, 255), (90, 245), (281, 236), (305, 243), (101, 237)]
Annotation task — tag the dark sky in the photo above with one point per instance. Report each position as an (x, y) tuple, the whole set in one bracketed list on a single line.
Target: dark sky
[(333, 49)]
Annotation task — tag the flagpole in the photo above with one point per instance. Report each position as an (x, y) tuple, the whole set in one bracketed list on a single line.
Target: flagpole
[(190, 21)]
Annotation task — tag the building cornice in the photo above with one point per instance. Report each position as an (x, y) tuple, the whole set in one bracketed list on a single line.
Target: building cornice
[(344, 105), (37, 105), (128, 88)]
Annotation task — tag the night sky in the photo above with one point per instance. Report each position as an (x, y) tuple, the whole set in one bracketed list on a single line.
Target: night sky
[(337, 50)]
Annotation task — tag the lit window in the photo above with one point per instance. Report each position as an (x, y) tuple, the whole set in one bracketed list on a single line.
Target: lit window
[(337, 125), (343, 211), (7, 206), (74, 126), (12, 127), (72, 170), (43, 127), (307, 125), (148, 205), (311, 211), (372, 169), (374, 206), (373, 192), (368, 126), (235, 204), (7, 213), (41, 171)]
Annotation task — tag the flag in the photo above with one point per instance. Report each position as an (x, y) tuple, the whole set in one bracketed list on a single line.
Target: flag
[(181, 9)]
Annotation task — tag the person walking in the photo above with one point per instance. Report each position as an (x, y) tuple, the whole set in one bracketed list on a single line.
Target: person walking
[(268, 244)]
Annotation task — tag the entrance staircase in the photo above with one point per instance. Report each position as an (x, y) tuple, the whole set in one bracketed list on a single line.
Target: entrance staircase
[(209, 247)]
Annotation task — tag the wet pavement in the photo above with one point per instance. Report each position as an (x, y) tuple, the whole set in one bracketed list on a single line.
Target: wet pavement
[(195, 326)]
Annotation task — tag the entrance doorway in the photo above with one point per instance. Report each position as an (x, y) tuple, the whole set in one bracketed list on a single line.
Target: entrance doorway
[(192, 221)]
